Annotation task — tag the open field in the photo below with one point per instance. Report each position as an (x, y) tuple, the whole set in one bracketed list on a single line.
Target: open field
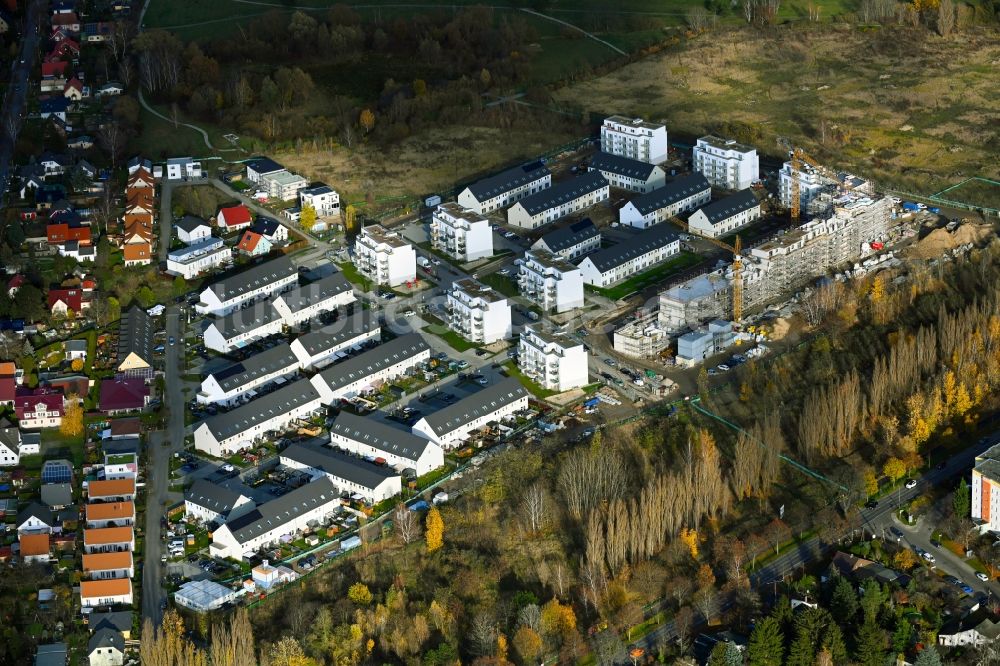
[(909, 109), (975, 191)]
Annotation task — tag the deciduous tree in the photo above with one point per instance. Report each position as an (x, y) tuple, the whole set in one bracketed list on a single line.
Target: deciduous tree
[(72, 420), (434, 532)]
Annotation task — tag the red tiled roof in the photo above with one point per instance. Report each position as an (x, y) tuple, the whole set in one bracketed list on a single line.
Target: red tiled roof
[(249, 241), (111, 488), (107, 561), (34, 544), (127, 393), (73, 298), (100, 589), (236, 215), (52, 69), (103, 536), (60, 233), (134, 252), (25, 401)]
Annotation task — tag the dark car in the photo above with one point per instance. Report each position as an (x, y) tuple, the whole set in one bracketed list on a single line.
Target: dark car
[(871, 504)]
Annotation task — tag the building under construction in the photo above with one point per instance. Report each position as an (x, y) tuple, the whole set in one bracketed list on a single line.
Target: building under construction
[(855, 227)]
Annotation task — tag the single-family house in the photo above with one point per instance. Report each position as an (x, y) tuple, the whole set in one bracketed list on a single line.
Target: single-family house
[(38, 408), (258, 167), (106, 648), (35, 547), (192, 230), (270, 229), (54, 107), (253, 244), (123, 395), (234, 218), (35, 518), (57, 496)]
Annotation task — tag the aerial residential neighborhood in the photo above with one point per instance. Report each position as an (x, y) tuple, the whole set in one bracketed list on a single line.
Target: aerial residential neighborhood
[(426, 334)]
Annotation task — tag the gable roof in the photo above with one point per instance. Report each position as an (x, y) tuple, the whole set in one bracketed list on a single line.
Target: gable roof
[(468, 409), (505, 181), (212, 496), (623, 166), (125, 393), (110, 587), (101, 536), (235, 215), (674, 191), (265, 226), (321, 290), (363, 365), (137, 251), (266, 362), (654, 238), (259, 275), (105, 638), (262, 409), (135, 335), (110, 488), (342, 465), (248, 319), (34, 544), (57, 494), (563, 192), (110, 510), (249, 241), (272, 515), (573, 234), (10, 436), (379, 435), (119, 620), (346, 328), (190, 222), (734, 204), (105, 561), (35, 510)]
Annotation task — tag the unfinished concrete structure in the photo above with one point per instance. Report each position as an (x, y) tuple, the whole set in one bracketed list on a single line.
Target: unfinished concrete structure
[(642, 337)]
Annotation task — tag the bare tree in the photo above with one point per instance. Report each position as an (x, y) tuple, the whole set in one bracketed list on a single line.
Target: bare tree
[(126, 72), (683, 624), (483, 635), (698, 18), (113, 139), (407, 525), (748, 10), (946, 17), (534, 507)]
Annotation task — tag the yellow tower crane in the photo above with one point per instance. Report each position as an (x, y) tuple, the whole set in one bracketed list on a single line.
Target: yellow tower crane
[(798, 157)]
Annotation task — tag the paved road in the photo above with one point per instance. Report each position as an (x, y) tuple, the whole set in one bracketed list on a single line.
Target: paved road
[(13, 111), (158, 481)]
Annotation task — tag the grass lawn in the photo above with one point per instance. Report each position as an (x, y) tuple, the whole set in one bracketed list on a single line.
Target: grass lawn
[(454, 340), (57, 445), (354, 276), (504, 285), (650, 277), (511, 368)]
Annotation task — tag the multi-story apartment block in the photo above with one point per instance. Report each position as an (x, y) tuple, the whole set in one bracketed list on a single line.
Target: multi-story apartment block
[(811, 183), (462, 234), (986, 490), (478, 313), (559, 200), (628, 174), (506, 187), (554, 362), (725, 216), (283, 185), (634, 138), (323, 198), (552, 283), (641, 252), (572, 241), (384, 257), (725, 163), (679, 196)]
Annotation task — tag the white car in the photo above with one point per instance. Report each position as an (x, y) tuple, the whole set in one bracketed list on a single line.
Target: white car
[(930, 558), (983, 577), (228, 468), (912, 483)]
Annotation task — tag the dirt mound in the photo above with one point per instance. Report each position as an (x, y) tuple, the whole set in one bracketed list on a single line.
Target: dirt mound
[(940, 241), (779, 328), (971, 233)]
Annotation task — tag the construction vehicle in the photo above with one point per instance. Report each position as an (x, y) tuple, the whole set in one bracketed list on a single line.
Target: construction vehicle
[(736, 248)]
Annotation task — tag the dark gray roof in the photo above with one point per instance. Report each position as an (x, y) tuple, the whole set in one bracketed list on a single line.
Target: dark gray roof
[(339, 464), (574, 234), (234, 286), (505, 181), (365, 364), (35, 510), (345, 328), (120, 621), (262, 409), (211, 496), (623, 166), (125, 444), (11, 438), (636, 246), (57, 494), (135, 335), (316, 292), (247, 319), (265, 226), (263, 165), (379, 435), (560, 193), (487, 401), (734, 204), (76, 345), (272, 515), (317, 189), (271, 360), (105, 637), (189, 223), (674, 191), (53, 654)]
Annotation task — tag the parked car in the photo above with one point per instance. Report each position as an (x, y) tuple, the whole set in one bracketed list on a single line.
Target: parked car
[(983, 577), (912, 483), (927, 556), (871, 504), (228, 468)]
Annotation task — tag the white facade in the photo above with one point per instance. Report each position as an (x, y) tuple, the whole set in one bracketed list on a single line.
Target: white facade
[(451, 426), (628, 174), (725, 163), (283, 185), (549, 282), (723, 217), (204, 595), (634, 138), (102, 566), (230, 384), (306, 302), (811, 183), (242, 328), (105, 592), (556, 363), (108, 540), (462, 234), (10, 447), (183, 168), (614, 264), (382, 364), (206, 502), (261, 281), (194, 234), (192, 261), (372, 439), (683, 194), (505, 188), (347, 473), (478, 313), (322, 198), (559, 201), (316, 349), (384, 257)]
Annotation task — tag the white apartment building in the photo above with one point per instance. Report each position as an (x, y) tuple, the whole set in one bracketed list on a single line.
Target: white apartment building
[(376, 440), (224, 434), (451, 426), (641, 252), (283, 185), (725, 163), (550, 282), (208, 502), (349, 474), (357, 374), (554, 362), (318, 348), (634, 138), (191, 261), (303, 303), (478, 313), (462, 234), (258, 167), (572, 241), (679, 196), (503, 189), (283, 516), (559, 200), (985, 490), (261, 281), (384, 257), (239, 380), (725, 216), (628, 174), (243, 327), (811, 183), (323, 198)]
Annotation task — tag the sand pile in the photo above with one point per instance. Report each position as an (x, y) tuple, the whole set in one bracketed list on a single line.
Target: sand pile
[(779, 328), (940, 241), (971, 233)]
